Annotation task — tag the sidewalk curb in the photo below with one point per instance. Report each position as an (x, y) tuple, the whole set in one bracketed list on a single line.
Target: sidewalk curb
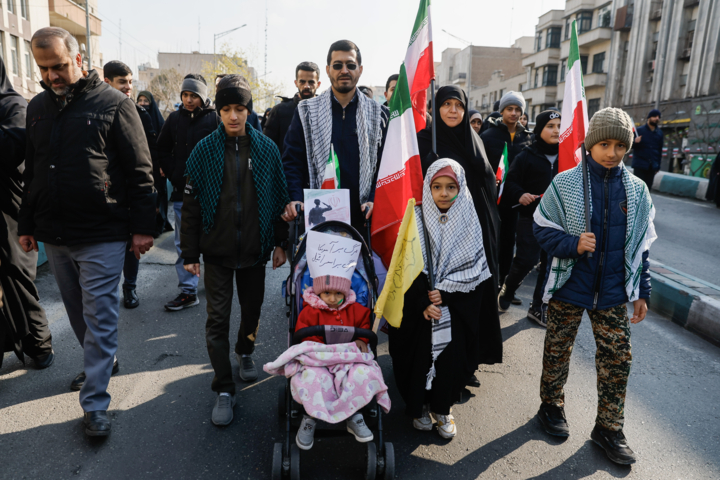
[(688, 301), (680, 185)]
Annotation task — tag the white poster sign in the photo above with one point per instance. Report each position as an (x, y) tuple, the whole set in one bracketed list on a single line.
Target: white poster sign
[(331, 255)]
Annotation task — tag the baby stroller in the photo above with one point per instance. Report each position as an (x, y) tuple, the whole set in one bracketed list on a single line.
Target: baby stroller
[(286, 456)]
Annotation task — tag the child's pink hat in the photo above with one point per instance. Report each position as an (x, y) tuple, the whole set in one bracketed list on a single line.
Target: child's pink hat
[(331, 283)]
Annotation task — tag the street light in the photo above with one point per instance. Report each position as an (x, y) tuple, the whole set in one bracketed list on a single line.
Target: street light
[(220, 35)]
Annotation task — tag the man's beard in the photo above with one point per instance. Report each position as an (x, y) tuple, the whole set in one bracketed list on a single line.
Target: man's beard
[(344, 88), (62, 91), (306, 94)]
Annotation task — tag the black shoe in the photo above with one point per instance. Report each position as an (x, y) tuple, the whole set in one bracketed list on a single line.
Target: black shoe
[(516, 301), (538, 316), (553, 419), (615, 445), (473, 382), (44, 361), (130, 298), (169, 228), (182, 301), (79, 381), (504, 301), (97, 424)]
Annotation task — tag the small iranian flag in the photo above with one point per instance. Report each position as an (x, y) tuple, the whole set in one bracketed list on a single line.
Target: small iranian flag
[(502, 173), (331, 180), (574, 123)]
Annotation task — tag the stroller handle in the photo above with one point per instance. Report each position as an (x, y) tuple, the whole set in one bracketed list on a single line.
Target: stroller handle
[(333, 334)]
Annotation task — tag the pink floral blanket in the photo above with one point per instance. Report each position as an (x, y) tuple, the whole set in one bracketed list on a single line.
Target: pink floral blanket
[(332, 382)]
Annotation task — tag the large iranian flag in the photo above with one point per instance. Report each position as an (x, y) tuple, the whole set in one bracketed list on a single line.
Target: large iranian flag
[(574, 123), (419, 64)]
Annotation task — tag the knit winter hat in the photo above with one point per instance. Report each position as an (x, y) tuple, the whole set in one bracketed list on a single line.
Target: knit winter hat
[(330, 283), (196, 86), (543, 118), (654, 113), (609, 123), (512, 98), (233, 89)]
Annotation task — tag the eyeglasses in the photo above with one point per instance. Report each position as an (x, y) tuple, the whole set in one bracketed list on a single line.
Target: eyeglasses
[(339, 66)]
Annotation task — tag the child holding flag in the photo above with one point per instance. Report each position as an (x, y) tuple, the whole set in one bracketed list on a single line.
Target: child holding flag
[(435, 348), (602, 283)]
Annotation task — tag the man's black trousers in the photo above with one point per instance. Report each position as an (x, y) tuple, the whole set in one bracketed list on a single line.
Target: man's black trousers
[(526, 257)]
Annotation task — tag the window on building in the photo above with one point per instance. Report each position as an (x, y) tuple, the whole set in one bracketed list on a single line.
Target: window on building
[(599, 63), (537, 76), (550, 75), (593, 106), (553, 37), (604, 17), (450, 72), (583, 63), (567, 28), (538, 41), (11, 6), (28, 60), (683, 80), (24, 9), (563, 69), (14, 55), (584, 22)]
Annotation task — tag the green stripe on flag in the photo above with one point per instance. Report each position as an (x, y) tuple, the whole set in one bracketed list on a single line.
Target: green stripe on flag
[(420, 20), (574, 54), (400, 100)]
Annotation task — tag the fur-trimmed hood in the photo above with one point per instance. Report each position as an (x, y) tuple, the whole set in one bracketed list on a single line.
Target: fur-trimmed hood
[(315, 301)]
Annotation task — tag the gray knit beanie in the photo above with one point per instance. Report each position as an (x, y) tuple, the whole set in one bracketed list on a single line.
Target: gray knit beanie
[(609, 123), (195, 86), (512, 98)]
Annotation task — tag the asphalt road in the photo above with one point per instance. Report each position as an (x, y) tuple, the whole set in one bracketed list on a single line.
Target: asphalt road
[(162, 403), (688, 236)]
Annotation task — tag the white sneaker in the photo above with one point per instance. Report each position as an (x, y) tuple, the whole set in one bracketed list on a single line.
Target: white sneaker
[(222, 413), (425, 422), (305, 437), (446, 425), (356, 426)]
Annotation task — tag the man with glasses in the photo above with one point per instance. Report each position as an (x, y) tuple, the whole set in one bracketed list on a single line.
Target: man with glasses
[(353, 124)]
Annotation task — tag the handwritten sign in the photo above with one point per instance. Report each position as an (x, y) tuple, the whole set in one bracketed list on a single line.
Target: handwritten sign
[(331, 255), (324, 205)]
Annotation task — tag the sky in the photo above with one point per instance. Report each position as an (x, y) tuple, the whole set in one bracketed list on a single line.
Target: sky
[(302, 30)]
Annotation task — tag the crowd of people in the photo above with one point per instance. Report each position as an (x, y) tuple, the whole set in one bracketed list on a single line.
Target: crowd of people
[(85, 170)]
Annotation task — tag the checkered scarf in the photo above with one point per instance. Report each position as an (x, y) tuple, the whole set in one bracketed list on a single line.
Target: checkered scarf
[(562, 208), (458, 253), (206, 165), (316, 117)]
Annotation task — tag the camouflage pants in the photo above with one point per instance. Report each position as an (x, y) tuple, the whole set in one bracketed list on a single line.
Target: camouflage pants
[(611, 329)]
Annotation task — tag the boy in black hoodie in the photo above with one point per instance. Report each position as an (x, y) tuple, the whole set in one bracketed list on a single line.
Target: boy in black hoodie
[(528, 178)]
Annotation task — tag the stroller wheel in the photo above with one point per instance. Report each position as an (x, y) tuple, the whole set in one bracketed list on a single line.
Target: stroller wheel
[(371, 470), (389, 461), (294, 462), (277, 462)]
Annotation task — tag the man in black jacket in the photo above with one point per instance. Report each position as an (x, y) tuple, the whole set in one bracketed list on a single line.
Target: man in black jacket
[(87, 186), (506, 130), (307, 81), (119, 76), (194, 120)]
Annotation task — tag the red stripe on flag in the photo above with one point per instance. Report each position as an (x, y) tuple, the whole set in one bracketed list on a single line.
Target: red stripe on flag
[(424, 73), (570, 141)]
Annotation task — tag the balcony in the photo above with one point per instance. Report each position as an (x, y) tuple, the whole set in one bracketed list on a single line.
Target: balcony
[(549, 56), (595, 80), (573, 6), (623, 19), (459, 78), (685, 54), (541, 95), (71, 16), (594, 36)]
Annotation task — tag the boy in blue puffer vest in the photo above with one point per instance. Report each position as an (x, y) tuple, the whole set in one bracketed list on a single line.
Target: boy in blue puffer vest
[(621, 234)]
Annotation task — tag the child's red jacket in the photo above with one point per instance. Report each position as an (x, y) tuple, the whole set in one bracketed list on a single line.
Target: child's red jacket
[(316, 312)]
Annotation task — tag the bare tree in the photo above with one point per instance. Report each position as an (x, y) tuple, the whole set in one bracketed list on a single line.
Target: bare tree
[(165, 87)]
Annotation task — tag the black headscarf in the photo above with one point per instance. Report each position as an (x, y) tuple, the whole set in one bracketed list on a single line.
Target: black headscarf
[(462, 144), (156, 117)]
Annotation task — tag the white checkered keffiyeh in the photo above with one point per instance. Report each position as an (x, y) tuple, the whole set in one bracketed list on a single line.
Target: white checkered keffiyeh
[(458, 253), (316, 117), (562, 208)]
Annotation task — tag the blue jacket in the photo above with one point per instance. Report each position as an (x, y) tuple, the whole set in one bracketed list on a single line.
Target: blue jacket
[(597, 283), (648, 153), (347, 148)]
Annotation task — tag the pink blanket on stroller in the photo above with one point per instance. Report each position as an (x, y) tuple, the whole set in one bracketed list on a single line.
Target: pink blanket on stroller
[(332, 382)]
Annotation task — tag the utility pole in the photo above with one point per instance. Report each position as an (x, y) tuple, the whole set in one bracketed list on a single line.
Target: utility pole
[(198, 34), (87, 26), (266, 25)]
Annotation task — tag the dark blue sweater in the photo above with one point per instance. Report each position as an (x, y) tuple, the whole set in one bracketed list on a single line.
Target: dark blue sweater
[(648, 153), (597, 283), (345, 143)]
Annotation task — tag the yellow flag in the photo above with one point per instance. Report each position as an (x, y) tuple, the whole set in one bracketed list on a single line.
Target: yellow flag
[(406, 264)]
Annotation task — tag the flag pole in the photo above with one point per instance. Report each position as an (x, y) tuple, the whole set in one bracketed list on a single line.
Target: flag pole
[(434, 117), (586, 197)]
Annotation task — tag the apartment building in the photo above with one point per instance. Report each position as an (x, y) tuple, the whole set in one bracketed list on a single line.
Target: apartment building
[(70, 15)]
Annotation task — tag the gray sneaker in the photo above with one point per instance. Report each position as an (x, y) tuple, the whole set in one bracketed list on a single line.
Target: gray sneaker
[(356, 426), (248, 372), (305, 437), (222, 413)]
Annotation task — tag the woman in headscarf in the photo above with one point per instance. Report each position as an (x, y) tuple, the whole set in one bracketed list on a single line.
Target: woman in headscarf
[(435, 349), (146, 100), (458, 141), (23, 325), (476, 120)]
